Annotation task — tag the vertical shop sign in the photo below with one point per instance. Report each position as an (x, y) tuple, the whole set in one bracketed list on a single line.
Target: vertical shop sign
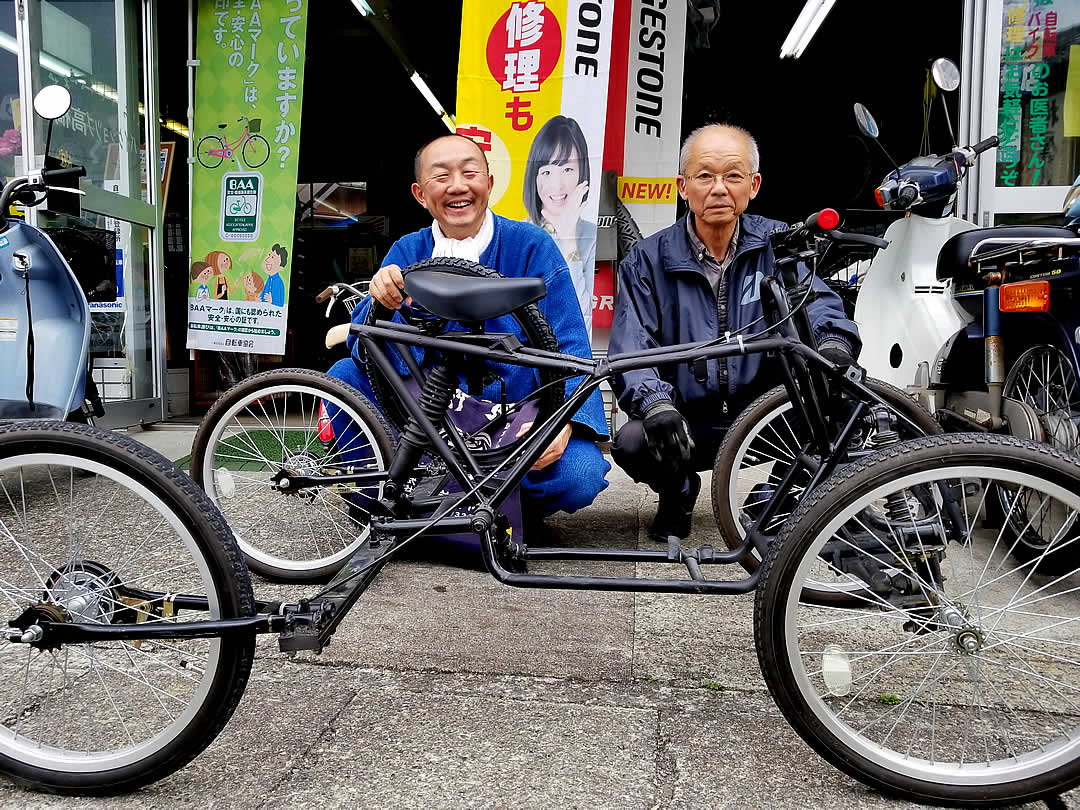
[(1029, 39), (653, 125), (532, 91), (248, 92)]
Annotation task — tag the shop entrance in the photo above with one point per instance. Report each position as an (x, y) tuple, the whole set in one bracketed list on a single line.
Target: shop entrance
[(103, 53)]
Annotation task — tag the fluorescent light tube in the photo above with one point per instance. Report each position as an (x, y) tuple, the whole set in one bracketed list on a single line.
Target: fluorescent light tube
[(425, 91), (807, 24)]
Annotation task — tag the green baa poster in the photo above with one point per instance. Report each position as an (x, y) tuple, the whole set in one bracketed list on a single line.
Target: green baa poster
[(248, 90)]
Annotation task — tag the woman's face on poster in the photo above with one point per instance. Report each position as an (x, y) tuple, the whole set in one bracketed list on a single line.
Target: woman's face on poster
[(555, 182)]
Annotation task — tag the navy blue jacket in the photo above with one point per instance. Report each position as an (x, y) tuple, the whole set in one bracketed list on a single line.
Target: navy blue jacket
[(664, 298)]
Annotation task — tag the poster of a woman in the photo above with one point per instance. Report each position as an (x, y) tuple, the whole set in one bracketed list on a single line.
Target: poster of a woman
[(555, 190)]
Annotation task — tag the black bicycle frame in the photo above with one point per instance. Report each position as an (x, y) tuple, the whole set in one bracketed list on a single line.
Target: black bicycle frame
[(309, 624)]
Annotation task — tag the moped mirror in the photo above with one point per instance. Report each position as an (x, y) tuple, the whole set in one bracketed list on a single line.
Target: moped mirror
[(946, 74), (52, 102), (867, 125)]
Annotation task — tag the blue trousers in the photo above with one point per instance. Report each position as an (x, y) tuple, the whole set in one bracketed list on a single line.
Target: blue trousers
[(567, 485)]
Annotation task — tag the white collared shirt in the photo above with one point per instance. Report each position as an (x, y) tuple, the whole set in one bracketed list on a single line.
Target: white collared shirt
[(470, 248)]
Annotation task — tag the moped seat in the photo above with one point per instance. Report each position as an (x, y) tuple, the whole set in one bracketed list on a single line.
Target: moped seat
[(954, 256), (467, 299)]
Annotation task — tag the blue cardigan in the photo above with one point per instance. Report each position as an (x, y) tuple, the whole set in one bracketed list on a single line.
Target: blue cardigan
[(517, 249)]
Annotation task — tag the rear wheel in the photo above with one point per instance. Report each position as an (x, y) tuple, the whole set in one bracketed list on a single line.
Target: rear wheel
[(98, 529), (202, 152), (306, 422), (955, 678)]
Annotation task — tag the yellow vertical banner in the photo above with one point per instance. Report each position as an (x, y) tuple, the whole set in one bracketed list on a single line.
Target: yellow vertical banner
[(532, 91)]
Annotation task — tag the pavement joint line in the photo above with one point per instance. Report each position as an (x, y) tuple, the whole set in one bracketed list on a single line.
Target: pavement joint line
[(666, 767), (326, 729), (643, 686)]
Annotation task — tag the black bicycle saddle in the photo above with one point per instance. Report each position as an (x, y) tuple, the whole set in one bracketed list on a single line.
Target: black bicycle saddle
[(466, 299)]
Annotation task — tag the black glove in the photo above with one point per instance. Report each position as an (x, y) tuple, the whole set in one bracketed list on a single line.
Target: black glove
[(836, 351), (666, 433)]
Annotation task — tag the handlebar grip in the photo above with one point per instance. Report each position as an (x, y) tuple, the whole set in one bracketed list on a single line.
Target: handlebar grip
[(324, 295), (859, 239), (907, 195), (982, 146), (824, 220), (73, 173)]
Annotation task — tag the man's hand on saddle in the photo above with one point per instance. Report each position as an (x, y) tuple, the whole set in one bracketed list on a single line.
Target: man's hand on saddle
[(554, 450), (387, 287)]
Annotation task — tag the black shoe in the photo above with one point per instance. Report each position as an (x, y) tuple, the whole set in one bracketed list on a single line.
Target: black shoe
[(675, 512)]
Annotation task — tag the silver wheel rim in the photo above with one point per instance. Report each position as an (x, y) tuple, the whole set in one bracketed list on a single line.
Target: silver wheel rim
[(1043, 377), (1052, 602), (319, 530), (82, 693), (775, 451)]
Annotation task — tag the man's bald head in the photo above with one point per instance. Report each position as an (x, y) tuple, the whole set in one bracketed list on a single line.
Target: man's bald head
[(418, 161), (752, 154)]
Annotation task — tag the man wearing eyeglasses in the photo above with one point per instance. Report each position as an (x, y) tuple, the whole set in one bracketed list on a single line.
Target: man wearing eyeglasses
[(696, 281), (453, 182)]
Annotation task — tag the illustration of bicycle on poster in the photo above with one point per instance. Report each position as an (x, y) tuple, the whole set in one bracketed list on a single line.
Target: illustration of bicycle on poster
[(251, 148)]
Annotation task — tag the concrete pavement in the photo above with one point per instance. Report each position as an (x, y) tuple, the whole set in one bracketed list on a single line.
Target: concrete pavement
[(443, 688)]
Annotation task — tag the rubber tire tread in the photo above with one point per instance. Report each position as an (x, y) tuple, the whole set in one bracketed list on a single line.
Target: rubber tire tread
[(226, 565), (538, 334), (246, 389), (816, 511), (752, 415)]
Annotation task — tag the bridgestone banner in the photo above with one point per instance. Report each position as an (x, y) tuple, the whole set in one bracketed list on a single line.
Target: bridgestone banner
[(249, 86)]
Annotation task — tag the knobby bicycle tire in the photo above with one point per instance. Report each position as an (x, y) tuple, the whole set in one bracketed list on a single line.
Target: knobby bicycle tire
[(908, 760), (98, 460), (535, 331)]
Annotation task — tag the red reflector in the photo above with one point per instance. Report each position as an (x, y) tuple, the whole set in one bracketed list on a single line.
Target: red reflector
[(326, 428), (879, 197), (1024, 296), (828, 219)]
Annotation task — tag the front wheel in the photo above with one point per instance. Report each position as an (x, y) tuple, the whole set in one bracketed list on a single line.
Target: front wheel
[(98, 529), (954, 679), (312, 424), (763, 443), (256, 151)]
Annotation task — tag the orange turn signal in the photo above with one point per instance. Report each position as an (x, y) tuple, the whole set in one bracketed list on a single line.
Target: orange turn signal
[(879, 197), (1025, 296)]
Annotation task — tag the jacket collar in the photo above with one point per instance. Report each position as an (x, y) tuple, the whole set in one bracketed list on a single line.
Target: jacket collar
[(677, 254)]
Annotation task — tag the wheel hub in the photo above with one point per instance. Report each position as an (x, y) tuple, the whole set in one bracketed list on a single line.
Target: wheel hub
[(1061, 430), (967, 638), (84, 590)]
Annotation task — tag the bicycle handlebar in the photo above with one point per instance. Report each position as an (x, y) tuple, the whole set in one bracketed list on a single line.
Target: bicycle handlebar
[(324, 295)]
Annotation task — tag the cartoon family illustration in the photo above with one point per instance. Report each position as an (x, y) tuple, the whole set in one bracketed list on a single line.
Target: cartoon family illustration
[(212, 280)]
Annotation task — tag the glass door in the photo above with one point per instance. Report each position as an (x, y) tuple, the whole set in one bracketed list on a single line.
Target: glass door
[(103, 52), (1022, 82)]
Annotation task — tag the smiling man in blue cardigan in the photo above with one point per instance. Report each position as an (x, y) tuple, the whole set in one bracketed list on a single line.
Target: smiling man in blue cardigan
[(453, 183)]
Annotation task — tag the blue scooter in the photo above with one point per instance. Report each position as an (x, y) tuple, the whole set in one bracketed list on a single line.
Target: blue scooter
[(44, 314)]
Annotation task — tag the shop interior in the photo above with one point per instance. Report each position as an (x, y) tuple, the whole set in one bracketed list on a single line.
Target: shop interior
[(363, 119)]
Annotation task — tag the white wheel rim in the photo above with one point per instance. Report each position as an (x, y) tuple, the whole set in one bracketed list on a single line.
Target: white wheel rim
[(14, 739), (1053, 754), (330, 514)]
